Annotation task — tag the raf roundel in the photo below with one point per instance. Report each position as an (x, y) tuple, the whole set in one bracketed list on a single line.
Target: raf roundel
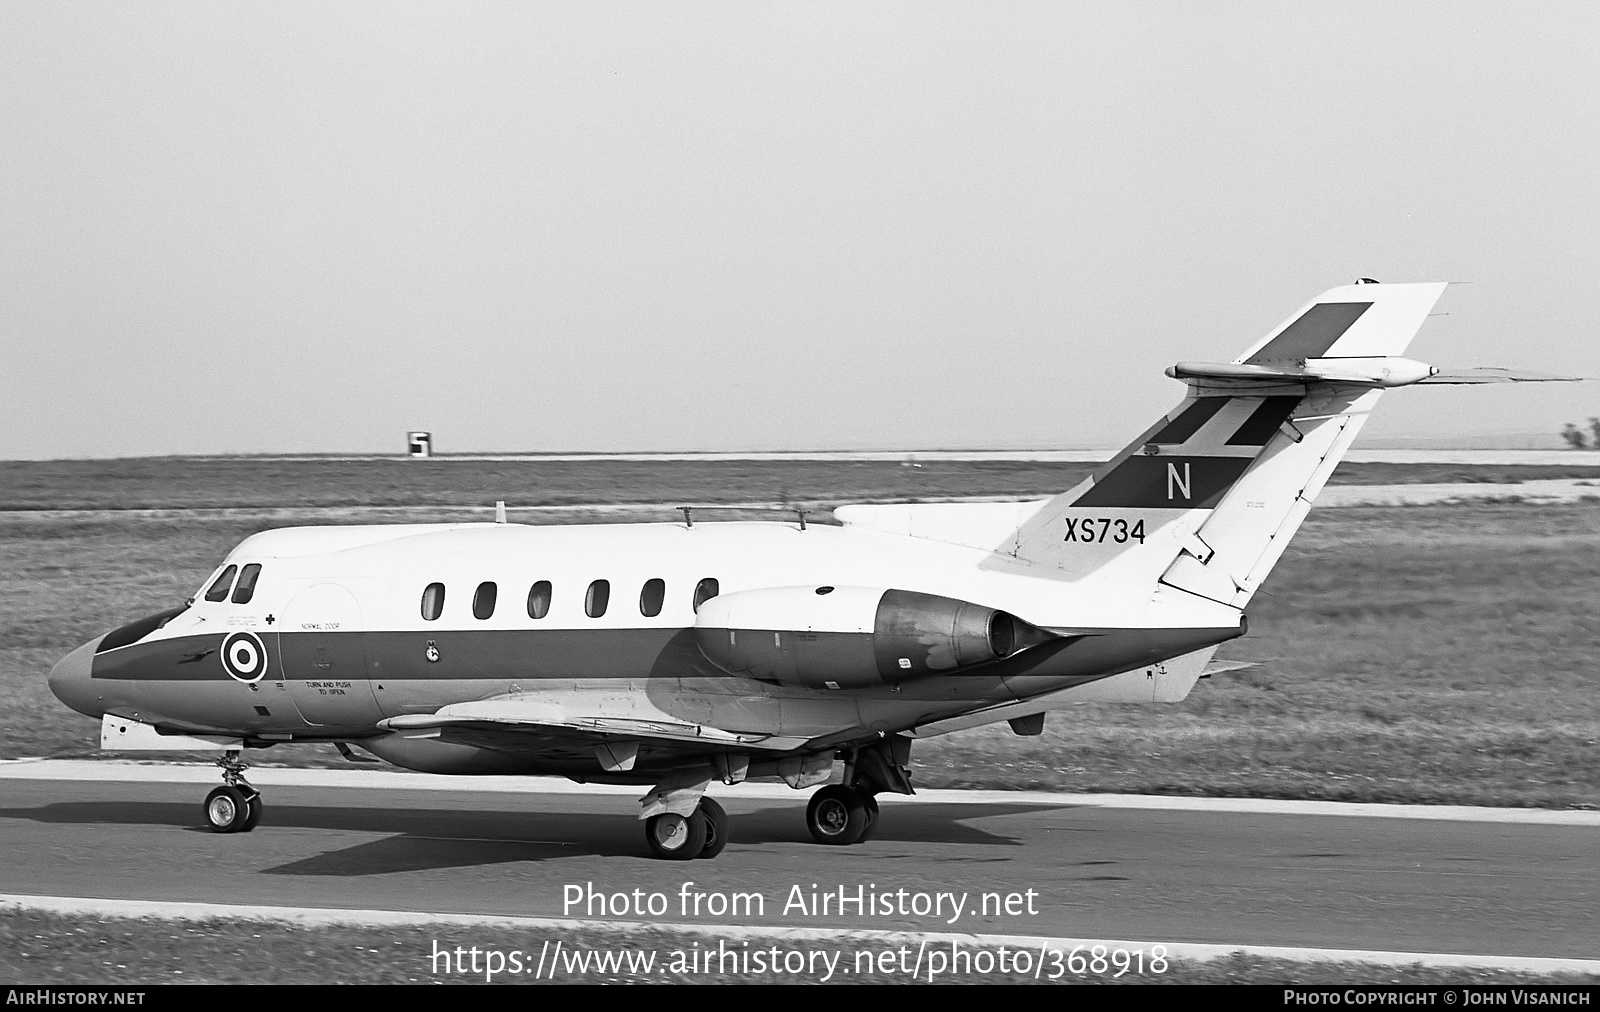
[(244, 657)]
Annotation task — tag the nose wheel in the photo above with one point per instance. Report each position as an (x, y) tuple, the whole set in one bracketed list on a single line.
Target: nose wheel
[(236, 806), (230, 810)]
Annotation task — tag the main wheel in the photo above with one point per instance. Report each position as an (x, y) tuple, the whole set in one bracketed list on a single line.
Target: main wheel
[(254, 816), (836, 815), (674, 837), (227, 810), (870, 803), (716, 827)]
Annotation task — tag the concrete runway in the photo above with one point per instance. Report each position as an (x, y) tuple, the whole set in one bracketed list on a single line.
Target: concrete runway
[(1180, 871)]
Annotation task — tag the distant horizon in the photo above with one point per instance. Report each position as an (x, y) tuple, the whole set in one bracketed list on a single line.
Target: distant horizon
[(1487, 443)]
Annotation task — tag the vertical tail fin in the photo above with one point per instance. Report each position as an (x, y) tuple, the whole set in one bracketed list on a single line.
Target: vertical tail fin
[(1204, 501)]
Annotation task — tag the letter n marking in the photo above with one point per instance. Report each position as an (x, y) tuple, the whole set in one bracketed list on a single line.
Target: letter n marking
[(1183, 483)]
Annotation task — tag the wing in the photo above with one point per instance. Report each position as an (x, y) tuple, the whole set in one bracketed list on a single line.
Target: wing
[(538, 730)]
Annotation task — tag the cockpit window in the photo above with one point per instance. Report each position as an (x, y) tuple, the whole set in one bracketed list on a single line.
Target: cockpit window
[(247, 584), (219, 590)]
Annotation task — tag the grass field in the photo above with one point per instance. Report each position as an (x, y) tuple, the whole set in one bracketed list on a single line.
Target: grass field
[(1435, 654), (216, 483), (39, 948), (1440, 654)]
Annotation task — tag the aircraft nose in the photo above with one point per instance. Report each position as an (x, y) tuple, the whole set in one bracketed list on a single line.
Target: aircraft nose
[(70, 680)]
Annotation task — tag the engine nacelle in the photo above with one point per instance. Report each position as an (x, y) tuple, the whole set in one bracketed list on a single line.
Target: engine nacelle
[(853, 637)]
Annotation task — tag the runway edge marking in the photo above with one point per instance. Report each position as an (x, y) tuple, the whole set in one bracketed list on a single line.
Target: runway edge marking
[(328, 916), (120, 771)]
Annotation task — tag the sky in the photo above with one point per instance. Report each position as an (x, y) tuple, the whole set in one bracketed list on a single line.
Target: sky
[(309, 227)]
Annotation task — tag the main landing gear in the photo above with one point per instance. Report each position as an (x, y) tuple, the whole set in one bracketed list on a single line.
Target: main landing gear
[(837, 815), (235, 807), (702, 834), (841, 815)]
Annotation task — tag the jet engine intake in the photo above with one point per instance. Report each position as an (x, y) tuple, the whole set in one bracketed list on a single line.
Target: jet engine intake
[(854, 637)]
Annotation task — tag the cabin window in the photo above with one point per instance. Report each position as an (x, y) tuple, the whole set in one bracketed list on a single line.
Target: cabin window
[(595, 601), (247, 584), (219, 590), (433, 601), (539, 599), (483, 600), (704, 591), (650, 598)]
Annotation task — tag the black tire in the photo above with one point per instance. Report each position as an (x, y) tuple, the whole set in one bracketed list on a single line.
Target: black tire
[(674, 838), (870, 803), (254, 817), (226, 810), (716, 827), (836, 815)]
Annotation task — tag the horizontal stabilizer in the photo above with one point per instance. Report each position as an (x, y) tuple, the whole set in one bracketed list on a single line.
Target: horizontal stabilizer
[(1367, 372), (1495, 375)]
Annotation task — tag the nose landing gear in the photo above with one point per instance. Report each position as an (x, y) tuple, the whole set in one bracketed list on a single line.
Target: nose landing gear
[(235, 807)]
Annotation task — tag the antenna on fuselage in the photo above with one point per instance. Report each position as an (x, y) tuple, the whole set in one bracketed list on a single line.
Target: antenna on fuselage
[(686, 521), (802, 514), (500, 511)]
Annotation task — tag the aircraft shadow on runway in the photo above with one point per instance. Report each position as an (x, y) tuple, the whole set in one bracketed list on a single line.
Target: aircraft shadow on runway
[(423, 840)]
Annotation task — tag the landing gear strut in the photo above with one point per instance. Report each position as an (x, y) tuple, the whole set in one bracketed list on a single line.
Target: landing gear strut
[(235, 807)]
